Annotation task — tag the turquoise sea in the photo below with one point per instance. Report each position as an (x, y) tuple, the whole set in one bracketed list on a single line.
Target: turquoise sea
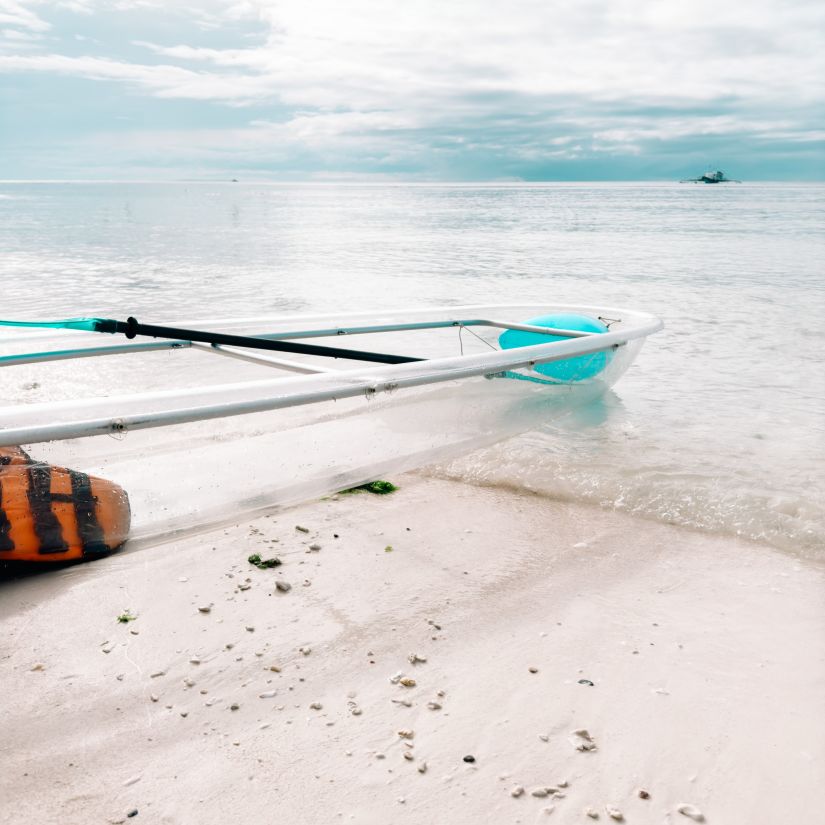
[(720, 423)]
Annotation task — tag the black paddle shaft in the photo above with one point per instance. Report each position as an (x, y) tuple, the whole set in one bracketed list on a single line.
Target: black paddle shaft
[(131, 327)]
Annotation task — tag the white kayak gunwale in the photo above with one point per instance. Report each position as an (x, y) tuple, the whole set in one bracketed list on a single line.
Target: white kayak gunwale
[(300, 390)]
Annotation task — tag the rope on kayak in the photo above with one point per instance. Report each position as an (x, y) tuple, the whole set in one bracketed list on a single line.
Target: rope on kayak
[(461, 327)]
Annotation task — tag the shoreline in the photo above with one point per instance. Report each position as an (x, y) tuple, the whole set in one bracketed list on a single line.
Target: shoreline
[(701, 649)]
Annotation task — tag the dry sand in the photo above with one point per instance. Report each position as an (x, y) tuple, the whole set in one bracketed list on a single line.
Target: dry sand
[(705, 654)]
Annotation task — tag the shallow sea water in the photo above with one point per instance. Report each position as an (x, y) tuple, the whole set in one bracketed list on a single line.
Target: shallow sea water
[(719, 424)]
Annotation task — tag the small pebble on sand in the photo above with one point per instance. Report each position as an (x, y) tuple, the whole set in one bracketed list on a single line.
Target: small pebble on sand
[(587, 743), (434, 705), (316, 706), (517, 791), (406, 734), (301, 529), (690, 811), (533, 669), (415, 658), (408, 756), (470, 759), (267, 694), (422, 767), (205, 608), (614, 813), (407, 681), (643, 794), (315, 547), (539, 792), (234, 706), (593, 814), (282, 586)]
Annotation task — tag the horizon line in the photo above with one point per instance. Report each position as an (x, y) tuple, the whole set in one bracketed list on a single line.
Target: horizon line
[(378, 182)]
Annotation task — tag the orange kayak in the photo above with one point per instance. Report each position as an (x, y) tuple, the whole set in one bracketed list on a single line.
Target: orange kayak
[(52, 514)]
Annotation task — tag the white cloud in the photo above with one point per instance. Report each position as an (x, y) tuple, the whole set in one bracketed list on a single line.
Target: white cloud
[(18, 14), (20, 36), (160, 80), (360, 56), (537, 79)]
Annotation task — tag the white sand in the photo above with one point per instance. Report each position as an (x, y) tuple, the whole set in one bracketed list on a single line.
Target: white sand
[(706, 654)]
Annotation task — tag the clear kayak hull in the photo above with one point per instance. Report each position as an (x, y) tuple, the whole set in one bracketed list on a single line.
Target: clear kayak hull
[(197, 439)]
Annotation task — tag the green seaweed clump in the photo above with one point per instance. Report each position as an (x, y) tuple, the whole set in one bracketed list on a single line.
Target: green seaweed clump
[(126, 617), (263, 564), (378, 488)]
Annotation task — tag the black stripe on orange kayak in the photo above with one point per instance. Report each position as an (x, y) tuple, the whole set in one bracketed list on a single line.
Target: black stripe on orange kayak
[(8, 454), (47, 526), (91, 534), (6, 542)]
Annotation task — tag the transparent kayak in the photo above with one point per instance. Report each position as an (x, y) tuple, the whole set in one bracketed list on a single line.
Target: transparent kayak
[(201, 433)]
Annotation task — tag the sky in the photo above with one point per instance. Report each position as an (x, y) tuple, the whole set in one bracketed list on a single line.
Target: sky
[(420, 90)]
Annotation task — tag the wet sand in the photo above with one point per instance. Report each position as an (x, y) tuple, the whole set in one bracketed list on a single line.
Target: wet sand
[(603, 664)]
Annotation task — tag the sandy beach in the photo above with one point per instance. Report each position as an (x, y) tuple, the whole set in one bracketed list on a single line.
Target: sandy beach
[(444, 654)]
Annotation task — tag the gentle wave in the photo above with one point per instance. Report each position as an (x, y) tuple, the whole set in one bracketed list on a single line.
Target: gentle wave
[(669, 495)]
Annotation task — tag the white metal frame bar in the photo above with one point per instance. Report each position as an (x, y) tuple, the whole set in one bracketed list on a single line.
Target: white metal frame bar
[(88, 352), (264, 360), (470, 322)]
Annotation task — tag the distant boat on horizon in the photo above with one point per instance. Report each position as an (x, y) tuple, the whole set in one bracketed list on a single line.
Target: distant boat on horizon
[(711, 177)]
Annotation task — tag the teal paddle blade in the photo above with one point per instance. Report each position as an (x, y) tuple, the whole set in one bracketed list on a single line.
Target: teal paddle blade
[(578, 368), (88, 324)]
